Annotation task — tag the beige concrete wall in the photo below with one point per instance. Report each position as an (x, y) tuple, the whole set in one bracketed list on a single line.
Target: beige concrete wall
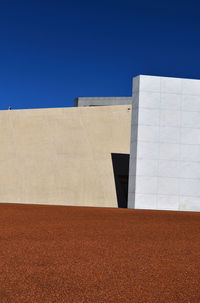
[(62, 156)]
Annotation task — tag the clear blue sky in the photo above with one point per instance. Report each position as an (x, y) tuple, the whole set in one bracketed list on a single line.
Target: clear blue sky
[(54, 51)]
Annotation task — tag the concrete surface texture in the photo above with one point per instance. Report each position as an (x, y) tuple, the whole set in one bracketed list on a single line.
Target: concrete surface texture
[(63, 155), (56, 254), (165, 144), (102, 101)]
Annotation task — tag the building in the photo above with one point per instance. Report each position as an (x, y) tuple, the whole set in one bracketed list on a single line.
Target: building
[(80, 156), (65, 156), (165, 144)]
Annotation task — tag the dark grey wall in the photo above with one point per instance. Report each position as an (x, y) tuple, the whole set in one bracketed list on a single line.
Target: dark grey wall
[(102, 101)]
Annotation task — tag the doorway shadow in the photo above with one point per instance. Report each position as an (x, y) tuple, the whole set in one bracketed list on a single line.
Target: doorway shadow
[(120, 164)]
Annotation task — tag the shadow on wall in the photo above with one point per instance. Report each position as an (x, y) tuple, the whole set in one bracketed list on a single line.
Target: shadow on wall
[(121, 171)]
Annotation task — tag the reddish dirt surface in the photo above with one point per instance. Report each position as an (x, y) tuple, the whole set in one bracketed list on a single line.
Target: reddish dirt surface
[(53, 254)]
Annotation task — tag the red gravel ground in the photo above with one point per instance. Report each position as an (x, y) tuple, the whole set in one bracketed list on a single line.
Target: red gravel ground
[(56, 254)]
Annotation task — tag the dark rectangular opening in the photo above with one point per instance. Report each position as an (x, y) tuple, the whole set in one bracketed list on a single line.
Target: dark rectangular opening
[(121, 172)]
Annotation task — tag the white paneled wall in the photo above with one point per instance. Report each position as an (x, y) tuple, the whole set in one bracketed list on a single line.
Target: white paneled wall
[(165, 144)]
